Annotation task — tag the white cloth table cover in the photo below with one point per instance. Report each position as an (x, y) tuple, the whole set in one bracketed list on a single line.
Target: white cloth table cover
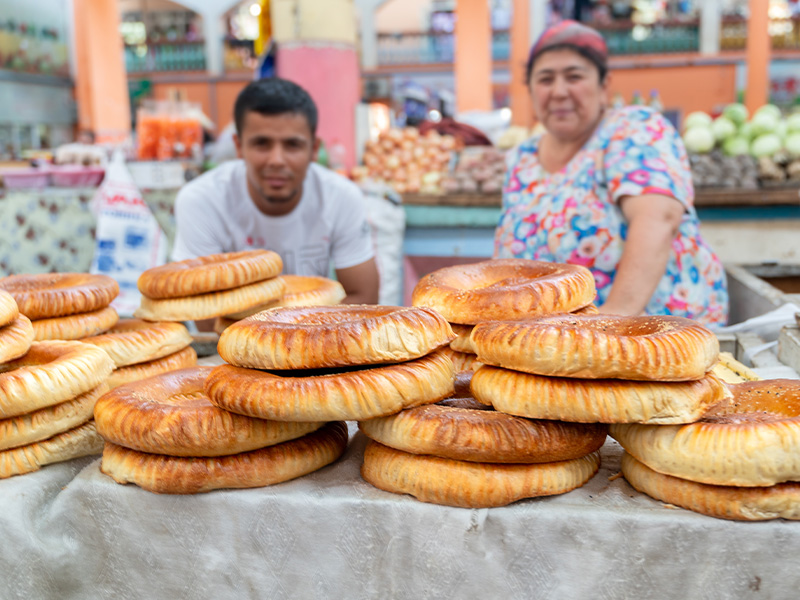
[(68, 531)]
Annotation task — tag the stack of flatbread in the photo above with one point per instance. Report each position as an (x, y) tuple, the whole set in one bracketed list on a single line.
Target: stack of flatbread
[(64, 306), (47, 394), (211, 286), (164, 435)]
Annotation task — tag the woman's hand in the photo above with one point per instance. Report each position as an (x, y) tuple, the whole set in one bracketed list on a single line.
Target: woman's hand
[(653, 222)]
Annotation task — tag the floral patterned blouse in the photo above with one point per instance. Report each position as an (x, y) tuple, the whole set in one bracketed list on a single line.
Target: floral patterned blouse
[(573, 216)]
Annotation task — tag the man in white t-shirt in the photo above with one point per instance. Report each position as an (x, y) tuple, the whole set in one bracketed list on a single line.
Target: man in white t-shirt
[(276, 197)]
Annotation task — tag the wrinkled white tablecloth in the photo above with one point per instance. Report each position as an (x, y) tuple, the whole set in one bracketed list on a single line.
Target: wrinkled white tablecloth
[(68, 531)]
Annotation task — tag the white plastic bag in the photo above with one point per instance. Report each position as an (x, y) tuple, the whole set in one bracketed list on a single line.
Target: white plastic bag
[(129, 240)]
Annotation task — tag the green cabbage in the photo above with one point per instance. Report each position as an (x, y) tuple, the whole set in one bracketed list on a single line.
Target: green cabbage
[(695, 119), (793, 144), (699, 139), (763, 122), (793, 123), (736, 145), (723, 128), (736, 112), (745, 131), (765, 145), (769, 109)]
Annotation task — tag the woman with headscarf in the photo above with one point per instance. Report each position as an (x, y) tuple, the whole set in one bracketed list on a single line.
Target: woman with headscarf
[(607, 189)]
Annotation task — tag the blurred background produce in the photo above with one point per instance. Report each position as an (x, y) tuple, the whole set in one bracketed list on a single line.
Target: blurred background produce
[(739, 150)]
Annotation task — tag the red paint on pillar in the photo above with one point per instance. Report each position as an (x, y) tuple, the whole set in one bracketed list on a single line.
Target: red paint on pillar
[(331, 75)]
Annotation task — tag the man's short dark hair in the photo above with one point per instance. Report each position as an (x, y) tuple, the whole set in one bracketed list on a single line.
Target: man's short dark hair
[(273, 96)]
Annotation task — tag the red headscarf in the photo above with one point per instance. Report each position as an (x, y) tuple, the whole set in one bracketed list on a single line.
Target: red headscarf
[(572, 33)]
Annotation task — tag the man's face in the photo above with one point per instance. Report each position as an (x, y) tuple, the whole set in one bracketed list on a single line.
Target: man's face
[(277, 150)]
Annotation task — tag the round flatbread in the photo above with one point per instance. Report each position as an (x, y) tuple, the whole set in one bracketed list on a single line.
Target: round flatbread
[(46, 295), (481, 435), (172, 362), (134, 341), (75, 327), (212, 304), (15, 339), (655, 348), (8, 308), (212, 273), (75, 443), (267, 466), (751, 439), (317, 337), (509, 288), (50, 373), (171, 414), (46, 422), (353, 394), (781, 501), (469, 484)]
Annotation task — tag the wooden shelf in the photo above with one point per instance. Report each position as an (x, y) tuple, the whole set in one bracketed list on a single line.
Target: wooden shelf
[(703, 197)]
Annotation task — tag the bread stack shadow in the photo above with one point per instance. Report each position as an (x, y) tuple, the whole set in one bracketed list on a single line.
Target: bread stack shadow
[(48, 390)]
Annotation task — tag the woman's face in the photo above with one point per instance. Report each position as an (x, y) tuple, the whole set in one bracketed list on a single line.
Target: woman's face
[(567, 94)]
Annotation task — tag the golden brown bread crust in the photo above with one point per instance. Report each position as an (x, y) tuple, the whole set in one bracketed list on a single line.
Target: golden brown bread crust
[(46, 295), (781, 501), (134, 341), (350, 395), (483, 435), (75, 443), (210, 273), (8, 308), (468, 484), (311, 291), (172, 362), (589, 309), (51, 372), (510, 288), (317, 337), (47, 422), (15, 339), (752, 439), (462, 343), (596, 400), (462, 361), (657, 348), (300, 291), (212, 304), (267, 466), (75, 327), (171, 414)]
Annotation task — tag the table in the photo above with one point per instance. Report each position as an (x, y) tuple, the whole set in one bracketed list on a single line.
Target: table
[(69, 531)]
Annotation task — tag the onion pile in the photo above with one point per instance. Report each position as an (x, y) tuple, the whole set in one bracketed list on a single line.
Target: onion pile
[(409, 162)]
